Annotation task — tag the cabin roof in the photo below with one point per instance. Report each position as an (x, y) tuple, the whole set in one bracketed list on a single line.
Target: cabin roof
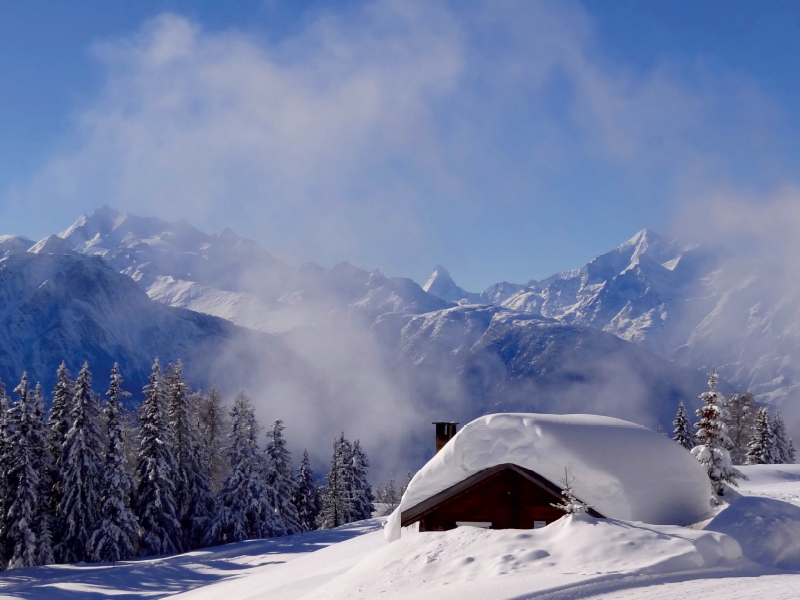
[(623, 470)]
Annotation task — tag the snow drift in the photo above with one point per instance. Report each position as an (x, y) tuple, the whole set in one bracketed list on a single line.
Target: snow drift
[(767, 529), (469, 562), (621, 469)]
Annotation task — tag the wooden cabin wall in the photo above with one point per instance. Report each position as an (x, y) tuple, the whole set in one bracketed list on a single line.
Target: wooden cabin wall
[(507, 500)]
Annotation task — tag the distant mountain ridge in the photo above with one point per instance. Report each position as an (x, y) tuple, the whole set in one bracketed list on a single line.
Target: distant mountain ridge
[(700, 306), (558, 345), (56, 307)]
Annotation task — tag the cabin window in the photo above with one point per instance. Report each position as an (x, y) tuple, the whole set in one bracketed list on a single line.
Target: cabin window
[(481, 524), (539, 524)]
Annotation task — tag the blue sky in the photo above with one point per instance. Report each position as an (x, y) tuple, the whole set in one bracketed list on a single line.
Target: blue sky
[(506, 140)]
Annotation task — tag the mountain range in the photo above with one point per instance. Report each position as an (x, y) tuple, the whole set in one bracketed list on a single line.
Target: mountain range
[(699, 306), (630, 334)]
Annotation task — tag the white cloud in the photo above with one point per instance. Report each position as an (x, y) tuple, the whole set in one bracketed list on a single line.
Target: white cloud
[(378, 130)]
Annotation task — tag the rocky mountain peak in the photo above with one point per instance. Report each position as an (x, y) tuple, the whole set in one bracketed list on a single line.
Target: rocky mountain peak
[(441, 285)]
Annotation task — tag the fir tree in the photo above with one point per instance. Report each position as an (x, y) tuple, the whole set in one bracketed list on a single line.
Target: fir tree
[(155, 506), (6, 491), (683, 429), (390, 496), (81, 472), (24, 479), (739, 418), (569, 504), (59, 425), (783, 446), (243, 512), (279, 480), (193, 495), (362, 499), (711, 451), (406, 483), (113, 539), (305, 497), (44, 460), (711, 428), (336, 503), (760, 450), (213, 432)]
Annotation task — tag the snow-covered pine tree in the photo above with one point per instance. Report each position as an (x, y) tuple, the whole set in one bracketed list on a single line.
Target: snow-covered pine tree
[(361, 495), (154, 503), (44, 460), (304, 497), (336, 503), (59, 425), (24, 479), (711, 428), (243, 511), (6, 492), (406, 483), (319, 488), (760, 450), (739, 418), (214, 429), (194, 497), (279, 481), (683, 429), (783, 446), (569, 504), (113, 539), (390, 493), (82, 469), (711, 451)]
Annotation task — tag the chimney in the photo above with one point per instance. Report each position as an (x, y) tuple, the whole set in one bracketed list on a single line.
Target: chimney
[(445, 430)]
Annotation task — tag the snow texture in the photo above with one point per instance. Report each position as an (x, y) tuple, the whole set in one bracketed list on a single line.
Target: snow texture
[(622, 470), (767, 529), (478, 563)]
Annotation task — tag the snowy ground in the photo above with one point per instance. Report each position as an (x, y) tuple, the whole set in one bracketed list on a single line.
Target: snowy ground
[(201, 571), (579, 559)]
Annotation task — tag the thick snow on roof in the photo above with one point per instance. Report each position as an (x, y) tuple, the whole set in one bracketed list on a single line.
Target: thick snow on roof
[(623, 470)]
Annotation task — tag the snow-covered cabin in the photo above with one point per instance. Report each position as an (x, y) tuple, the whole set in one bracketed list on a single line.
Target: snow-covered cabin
[(504, 471)]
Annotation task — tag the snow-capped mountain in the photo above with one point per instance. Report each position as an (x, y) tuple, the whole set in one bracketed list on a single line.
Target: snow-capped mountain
[(11, 244), (699, 306), (441, 285), (494, 359), (637, 291), (56, 307), (353, 348), (231, 277)]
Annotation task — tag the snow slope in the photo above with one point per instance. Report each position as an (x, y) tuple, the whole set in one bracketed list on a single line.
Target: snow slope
[(246, 568), (469, 562), (623, 470)]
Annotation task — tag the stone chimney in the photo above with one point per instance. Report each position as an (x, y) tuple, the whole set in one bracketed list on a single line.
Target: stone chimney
[(445, 430)]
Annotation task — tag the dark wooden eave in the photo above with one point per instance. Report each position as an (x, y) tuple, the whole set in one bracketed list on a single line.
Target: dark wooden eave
[(415, 513)]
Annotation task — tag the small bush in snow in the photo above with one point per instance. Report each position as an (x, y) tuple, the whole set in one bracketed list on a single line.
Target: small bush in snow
[(569, 503)]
